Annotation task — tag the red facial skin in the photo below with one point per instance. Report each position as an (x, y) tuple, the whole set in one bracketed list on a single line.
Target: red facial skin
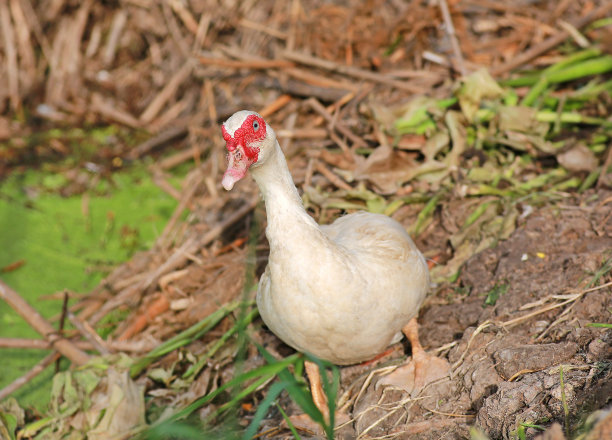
[(245, 136), (241, 151)]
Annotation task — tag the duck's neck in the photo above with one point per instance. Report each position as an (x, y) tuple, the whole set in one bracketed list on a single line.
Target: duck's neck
[(284, 208)]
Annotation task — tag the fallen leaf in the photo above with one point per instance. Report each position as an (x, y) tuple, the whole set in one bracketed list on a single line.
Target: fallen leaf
[(522, 119), (578, 158), (474, 88), (124, 407)]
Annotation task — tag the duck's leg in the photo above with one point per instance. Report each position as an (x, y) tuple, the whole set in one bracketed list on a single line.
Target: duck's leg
[(421, 370), (302, 421), (316, 388)]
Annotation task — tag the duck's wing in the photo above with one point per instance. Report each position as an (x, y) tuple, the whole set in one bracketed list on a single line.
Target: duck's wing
[(374, 234)]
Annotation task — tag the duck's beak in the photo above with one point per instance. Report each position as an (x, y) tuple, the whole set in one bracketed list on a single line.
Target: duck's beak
[(237, 166)]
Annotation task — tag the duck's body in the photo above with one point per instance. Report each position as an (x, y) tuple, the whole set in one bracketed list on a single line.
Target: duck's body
[(342, 292)]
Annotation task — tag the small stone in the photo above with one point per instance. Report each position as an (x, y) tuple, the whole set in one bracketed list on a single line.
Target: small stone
[(599, 350), (569, 392)]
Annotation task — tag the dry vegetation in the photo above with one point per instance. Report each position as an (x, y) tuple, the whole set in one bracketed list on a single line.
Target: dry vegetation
[(513, 207)]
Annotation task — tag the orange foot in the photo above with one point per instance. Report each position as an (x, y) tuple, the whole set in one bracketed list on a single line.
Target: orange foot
[(421, 370)]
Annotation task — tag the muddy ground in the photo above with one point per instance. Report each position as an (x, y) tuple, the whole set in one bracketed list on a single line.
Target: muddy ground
[(505, 370)]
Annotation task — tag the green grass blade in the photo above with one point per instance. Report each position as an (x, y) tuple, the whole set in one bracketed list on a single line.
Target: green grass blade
[(265, 404), (535, 92), (605, 268), (289, 423), (194, 332), (480, 209), (247, 319), (425, 213), (262, 409), (590, 67), (299, 393), (564, 400), (566, 63), (589, 180), (261, 374), (599, 325), (574, 59)]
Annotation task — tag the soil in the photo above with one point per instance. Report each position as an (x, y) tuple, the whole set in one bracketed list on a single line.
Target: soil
[(505, 370)]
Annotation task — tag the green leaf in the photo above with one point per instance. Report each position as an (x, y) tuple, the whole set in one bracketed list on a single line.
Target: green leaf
[(494, 294), (8, 425)]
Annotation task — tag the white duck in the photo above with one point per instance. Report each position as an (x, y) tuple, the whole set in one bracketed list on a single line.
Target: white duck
[(342, 292)]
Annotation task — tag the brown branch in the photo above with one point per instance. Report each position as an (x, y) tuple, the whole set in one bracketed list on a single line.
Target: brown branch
[(302, 133), (159, 179), (552, 41), (26, 56), (191, 184), (450, 29), (35, 371), (301, 88), (89, 334), (169, 90), (41, 325), (10, 51), (320, 80), (355, 72), (334, 179), (157, 140), (318, 107), (41, 344), (495, 6), (182, 156), (245, 64), (117, 26), (110, 111), (185, 15), (275, 106), (264, 28)]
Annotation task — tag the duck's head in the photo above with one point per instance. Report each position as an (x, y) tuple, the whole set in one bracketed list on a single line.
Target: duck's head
[(249, 141)]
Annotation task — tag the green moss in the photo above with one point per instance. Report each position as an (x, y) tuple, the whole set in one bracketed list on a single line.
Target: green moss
[(64, 248)]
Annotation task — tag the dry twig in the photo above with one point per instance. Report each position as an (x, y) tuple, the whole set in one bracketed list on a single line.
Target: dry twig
[(354, 72), (553, 41), (41, 325), (35, 371)]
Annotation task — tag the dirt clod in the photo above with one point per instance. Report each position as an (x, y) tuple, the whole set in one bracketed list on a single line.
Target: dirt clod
[(527, 358)]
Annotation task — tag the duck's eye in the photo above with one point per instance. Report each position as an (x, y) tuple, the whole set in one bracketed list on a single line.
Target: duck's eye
[(255, 125)]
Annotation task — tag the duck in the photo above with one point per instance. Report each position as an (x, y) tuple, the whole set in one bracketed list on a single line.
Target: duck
[(342, 292)]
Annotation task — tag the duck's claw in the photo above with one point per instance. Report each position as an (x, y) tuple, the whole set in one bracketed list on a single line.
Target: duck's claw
[(420, 371), (412, 377)]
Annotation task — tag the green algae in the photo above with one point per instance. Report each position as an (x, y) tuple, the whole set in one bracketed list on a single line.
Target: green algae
[(67, 243)]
